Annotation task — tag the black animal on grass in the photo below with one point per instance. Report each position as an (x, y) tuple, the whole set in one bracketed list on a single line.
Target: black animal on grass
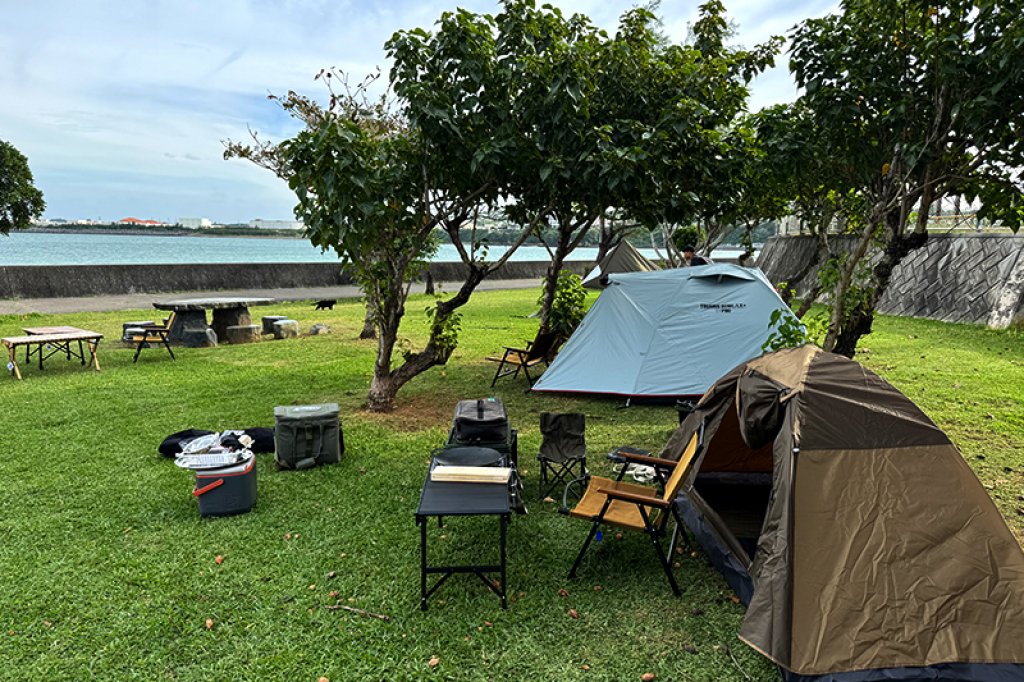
[(326, 304)]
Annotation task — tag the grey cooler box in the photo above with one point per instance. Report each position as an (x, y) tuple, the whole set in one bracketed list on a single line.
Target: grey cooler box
[(307, 435), (228, 490)]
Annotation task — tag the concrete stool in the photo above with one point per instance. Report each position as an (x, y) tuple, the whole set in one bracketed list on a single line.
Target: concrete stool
[(242, 333), (198, 338), (286, 329), (269, 320), (127, 326)]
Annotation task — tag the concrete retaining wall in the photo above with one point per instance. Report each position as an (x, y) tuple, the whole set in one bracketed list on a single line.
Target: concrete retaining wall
[(62, 281), (955, 278)]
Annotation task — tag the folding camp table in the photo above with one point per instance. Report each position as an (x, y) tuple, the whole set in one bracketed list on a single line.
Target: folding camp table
[(442, 499), (48, 343)]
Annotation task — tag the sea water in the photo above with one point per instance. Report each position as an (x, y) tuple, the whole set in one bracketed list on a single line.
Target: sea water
[(44, 248)]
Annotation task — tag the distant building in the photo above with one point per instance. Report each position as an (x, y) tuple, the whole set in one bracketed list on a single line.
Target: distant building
[(262, 224), (139, 222), (195, 223)]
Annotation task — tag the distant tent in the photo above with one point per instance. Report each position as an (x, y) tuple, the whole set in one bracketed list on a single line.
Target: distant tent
[(666, 333), (863, 545), (623, 258)]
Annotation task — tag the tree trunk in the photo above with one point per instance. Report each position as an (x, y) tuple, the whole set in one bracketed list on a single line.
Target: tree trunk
[(390, 309), (846, 275), (369, 326), (860, 319), (385, 385), (567, 242), (610, 238), (550, 285)]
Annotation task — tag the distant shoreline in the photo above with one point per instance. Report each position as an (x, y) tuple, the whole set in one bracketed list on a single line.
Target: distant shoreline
[(170, 232)]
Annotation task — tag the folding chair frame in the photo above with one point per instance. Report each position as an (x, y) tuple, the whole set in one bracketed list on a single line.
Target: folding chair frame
[(560, 473), (644, 503), (654, 531), (154, 334), (516, 359)]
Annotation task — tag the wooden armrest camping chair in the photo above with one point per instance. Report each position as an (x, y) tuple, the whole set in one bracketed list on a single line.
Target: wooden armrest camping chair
[(515, 359), (563, 451), (145, 335), (636, 507)]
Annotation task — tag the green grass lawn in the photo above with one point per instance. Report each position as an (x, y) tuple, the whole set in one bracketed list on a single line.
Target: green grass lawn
[(110, 574)]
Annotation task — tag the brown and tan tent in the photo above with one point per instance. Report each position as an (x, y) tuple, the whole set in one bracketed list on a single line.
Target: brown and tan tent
[(863, 545), (623, 258)]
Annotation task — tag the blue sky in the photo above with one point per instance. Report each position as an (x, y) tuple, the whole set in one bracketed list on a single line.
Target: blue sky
[(121, 106)]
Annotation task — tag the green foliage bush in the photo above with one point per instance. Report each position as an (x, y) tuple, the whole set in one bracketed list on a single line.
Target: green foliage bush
[(569, 305)]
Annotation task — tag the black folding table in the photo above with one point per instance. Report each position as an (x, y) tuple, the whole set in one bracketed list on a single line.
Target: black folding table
[(442, 499)]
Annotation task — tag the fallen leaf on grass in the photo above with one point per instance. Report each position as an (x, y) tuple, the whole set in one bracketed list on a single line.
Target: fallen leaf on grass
[(434, 660), (573, 613)]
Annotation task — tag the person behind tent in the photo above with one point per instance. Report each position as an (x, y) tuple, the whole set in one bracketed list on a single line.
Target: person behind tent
[(691, 258)]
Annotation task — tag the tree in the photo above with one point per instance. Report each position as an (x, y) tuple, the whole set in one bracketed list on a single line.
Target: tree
[(20, 201), (509, 97), (914, 101), (689, 149), (359, 172)]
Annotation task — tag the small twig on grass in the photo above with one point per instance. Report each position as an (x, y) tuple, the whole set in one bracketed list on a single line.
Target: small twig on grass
[(736, 663), (361, 612)]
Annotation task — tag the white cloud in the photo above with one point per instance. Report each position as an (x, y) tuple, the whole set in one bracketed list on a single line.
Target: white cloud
[(121, 107)]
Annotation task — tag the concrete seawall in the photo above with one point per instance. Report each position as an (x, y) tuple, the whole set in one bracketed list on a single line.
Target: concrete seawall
[(65, 281), (977, 278)]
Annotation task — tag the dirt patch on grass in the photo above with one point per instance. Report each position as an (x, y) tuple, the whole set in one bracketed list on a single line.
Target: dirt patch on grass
[(412, 414)]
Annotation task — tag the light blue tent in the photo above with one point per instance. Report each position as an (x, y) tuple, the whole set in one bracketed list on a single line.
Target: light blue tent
[(666, 333)]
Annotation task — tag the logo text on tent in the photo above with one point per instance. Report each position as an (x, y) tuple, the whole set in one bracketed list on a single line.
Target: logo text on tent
[(722, 307)]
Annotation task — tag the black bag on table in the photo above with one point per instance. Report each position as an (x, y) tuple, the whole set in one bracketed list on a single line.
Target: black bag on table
[(480, 421)]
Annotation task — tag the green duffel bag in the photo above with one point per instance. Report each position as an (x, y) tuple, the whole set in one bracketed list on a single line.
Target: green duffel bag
[(307, 435)]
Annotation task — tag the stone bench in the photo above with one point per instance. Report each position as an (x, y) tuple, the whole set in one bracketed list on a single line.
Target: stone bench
[(128, 326), (269, 320), (242, 333), (286, 329)]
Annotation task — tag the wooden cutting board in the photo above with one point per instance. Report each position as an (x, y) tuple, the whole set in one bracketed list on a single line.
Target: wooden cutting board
[(457, 474)]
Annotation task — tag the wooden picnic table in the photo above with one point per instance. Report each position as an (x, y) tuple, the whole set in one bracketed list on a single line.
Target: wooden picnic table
[(49, 341), (190, 314)]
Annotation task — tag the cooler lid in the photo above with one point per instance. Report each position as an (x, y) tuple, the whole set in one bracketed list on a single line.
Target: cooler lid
[(212, 464), (306, 411)]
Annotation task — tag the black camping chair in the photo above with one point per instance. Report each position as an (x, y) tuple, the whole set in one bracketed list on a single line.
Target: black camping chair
[(541, 349), (563, 452)]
